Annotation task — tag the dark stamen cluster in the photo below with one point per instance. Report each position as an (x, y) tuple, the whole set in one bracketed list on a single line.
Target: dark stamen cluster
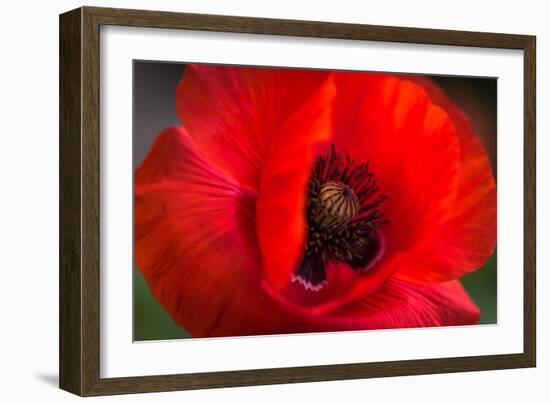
[(343, 217)]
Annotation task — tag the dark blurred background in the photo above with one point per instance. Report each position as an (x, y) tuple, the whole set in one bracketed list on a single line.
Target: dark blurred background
[(154, 109)]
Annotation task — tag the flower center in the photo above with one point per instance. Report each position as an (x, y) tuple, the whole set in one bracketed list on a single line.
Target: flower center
[(342, 217)]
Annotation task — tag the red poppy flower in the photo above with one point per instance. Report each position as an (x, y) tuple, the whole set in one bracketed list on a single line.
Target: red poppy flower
[(298, 201)]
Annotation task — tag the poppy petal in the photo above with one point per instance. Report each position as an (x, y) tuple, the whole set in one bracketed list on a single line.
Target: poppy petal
[(400, 304), (396, 304), (194, 233), (467, 235), (233, 112)]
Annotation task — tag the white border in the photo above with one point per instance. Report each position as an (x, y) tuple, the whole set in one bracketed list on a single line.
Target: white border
[(120, 357)]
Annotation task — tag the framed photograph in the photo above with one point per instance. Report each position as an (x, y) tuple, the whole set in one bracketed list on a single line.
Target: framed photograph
[(249, 201)]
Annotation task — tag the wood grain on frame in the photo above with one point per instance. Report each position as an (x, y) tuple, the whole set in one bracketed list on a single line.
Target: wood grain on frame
[(79, 200)]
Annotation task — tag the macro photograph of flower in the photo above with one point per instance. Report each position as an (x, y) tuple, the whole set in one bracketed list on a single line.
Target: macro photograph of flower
[(275, 200)]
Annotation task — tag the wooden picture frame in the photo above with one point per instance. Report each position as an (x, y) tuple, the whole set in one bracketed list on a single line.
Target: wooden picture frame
[(80, 200)]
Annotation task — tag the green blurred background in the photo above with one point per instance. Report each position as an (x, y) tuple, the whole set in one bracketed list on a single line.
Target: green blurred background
[(154, 109), (151, 321)]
